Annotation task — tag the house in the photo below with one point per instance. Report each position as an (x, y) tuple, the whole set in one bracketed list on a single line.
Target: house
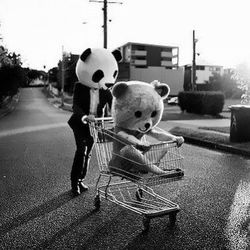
[(203, 74), (148, 62)]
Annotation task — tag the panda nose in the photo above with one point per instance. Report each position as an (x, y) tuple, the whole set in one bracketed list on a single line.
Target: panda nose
[(147, 125), (109, 85)]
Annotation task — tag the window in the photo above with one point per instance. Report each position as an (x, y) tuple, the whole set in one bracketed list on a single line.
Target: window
[(167, 50), (169, 59), (200, 67)]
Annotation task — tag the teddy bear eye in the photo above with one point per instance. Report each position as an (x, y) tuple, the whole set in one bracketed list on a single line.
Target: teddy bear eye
[(138, 114), (154, 113)]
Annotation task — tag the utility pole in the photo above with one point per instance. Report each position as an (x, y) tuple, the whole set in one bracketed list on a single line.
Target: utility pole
[(105, 27), (194, 63), (63, 78), (105, 18)]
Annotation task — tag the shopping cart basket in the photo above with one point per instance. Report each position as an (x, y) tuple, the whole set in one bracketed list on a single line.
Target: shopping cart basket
[(134, 190)]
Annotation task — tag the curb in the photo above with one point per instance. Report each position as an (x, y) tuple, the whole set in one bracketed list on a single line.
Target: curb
[(217, 146)]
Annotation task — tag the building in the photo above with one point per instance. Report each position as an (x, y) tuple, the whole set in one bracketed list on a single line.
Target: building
[(148, 62), (203, 73)]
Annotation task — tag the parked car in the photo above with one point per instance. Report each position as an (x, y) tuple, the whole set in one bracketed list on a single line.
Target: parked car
[(173, 101)]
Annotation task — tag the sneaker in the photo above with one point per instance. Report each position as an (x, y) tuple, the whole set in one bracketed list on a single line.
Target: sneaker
[(82, 186)]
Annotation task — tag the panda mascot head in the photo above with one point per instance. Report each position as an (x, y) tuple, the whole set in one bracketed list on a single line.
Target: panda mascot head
[(97, 67)]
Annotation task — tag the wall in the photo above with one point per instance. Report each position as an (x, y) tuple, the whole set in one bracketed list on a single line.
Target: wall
[(174, 78)]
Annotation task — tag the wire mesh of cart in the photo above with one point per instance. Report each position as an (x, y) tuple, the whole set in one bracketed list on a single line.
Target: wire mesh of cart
[(133, 190)]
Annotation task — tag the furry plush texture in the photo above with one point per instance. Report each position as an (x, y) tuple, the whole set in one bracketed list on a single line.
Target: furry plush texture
[(97, 67), (137, 109), (138, 105)]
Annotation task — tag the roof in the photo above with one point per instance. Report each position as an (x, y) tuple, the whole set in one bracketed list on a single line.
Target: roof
[(147, 44), (205, 65)]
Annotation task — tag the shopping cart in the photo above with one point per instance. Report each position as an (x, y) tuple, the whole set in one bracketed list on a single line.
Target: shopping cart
[(134, 190)]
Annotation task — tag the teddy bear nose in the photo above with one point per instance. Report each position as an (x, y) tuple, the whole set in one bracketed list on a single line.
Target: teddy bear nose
[(147, 125)]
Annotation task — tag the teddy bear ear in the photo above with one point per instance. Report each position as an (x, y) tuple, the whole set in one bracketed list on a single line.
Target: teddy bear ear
[(119, 89), (117, 54), (161, 88), (85, 54)]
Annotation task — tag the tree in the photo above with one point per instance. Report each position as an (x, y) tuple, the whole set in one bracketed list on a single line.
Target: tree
[(53, 74), (10, 78), (68, 72), (15, 58), (226, 84), (4, 59)]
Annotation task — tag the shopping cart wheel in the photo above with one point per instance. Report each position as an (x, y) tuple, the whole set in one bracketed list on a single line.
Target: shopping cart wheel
[(97, 201), (146, 222), (172, 218), (138, 194)]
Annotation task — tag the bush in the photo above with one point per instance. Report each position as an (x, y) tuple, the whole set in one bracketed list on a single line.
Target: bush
[(11, 78), (201, 102)]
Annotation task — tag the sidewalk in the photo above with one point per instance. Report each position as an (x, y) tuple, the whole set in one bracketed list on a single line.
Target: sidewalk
[(205, 132)]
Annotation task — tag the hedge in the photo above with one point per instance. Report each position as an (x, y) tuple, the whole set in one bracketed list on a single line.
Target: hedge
[(201, 102)]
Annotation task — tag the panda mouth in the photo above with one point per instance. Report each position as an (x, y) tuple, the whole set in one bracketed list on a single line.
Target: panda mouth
[(109, 85)]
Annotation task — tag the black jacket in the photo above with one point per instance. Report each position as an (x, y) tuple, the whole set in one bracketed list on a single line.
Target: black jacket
[(81, 105)]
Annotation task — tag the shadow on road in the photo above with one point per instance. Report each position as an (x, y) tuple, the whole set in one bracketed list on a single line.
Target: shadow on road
[(36, 212), (65, 230)]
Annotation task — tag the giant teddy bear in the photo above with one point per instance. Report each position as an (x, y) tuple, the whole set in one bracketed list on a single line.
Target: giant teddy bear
[(96, 70), (137, 109)]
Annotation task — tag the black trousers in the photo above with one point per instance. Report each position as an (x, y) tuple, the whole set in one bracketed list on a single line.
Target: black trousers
[(84, 144)]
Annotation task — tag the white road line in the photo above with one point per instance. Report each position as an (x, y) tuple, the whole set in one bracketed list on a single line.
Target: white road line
[(29, 129)]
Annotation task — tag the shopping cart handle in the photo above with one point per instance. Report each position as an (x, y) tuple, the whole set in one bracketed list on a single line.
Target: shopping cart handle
[(164, 143), (104, 119), (101, 119)]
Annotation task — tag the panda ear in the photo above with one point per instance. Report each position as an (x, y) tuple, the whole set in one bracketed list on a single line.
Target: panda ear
[(119, 89), (161, 88), (117, 54), (85, 54)]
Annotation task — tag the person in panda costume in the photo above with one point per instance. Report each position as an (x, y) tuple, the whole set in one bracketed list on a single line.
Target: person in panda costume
[(96, 70)]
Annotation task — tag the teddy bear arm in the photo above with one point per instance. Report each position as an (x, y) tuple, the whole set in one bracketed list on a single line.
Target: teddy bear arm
[(162, 135), (128, 139)]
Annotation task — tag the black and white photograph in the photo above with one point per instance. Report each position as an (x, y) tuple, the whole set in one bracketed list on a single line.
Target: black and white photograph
[(124, 124)]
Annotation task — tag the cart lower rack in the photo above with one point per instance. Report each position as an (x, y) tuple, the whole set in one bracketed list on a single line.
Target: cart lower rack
[(133, 191)]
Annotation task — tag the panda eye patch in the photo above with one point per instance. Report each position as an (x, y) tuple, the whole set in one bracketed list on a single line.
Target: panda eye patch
[(97, 76), (115, 74), (154, 113), (138, 114)]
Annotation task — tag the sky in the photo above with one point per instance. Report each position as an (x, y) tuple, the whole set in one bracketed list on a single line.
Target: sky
[(41, 29)]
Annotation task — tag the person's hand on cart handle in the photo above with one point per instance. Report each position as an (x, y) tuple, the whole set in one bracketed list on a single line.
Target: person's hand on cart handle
[(88, 118), (179, 140)]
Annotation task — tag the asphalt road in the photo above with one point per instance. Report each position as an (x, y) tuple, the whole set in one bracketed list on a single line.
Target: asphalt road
[(37, 210)]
